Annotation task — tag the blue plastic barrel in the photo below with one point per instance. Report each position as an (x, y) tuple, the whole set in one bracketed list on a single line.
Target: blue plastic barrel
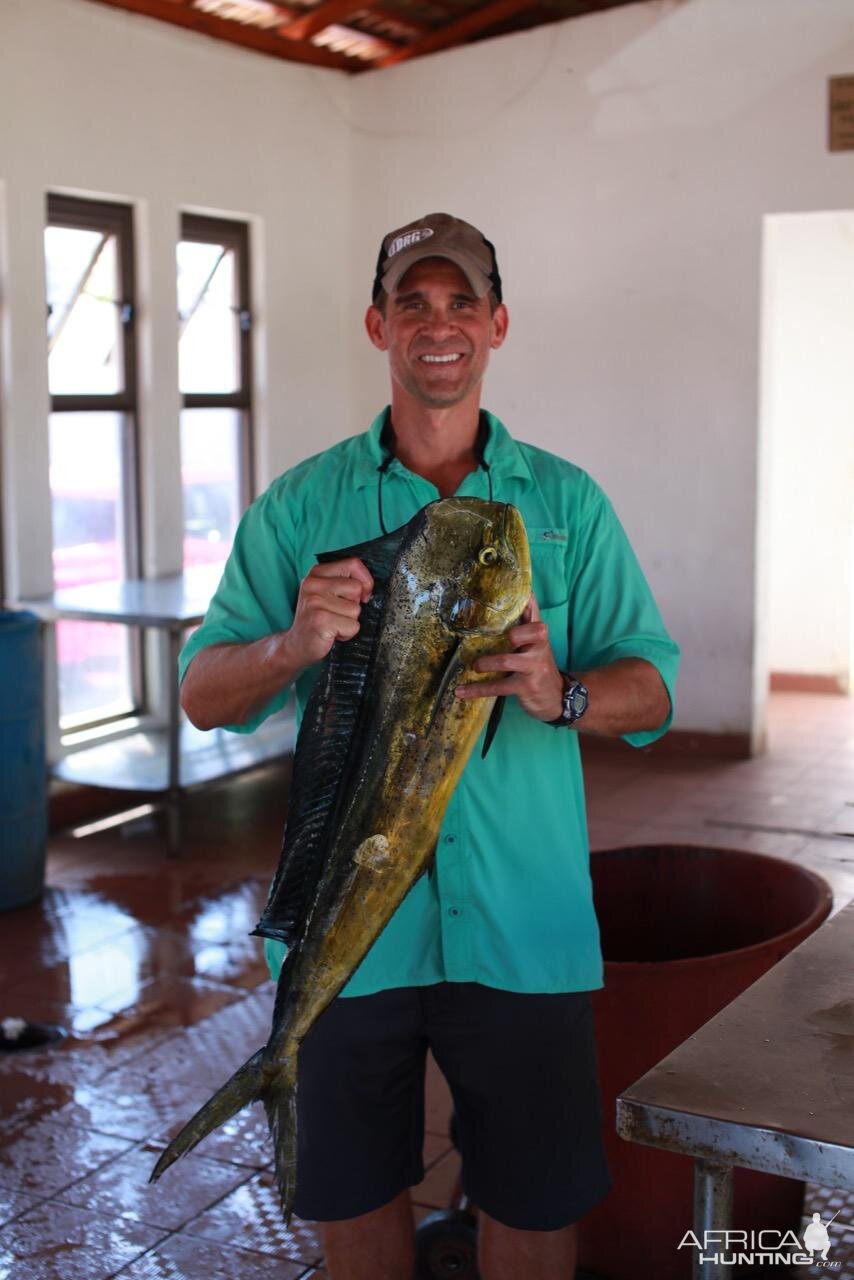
[(23, 772)]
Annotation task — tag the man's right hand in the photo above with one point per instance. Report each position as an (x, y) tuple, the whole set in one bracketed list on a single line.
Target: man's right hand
[(227, 683), (330, 600)]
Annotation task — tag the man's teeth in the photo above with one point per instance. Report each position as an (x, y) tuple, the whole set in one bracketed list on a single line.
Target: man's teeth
[(442, 359)]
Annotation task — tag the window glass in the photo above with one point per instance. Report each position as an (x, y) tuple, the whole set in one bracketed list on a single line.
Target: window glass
[(209, 344), (210, 475), (95, 658), (84, 312)]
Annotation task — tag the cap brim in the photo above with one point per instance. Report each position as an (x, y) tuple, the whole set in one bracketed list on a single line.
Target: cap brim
[(397, 269)]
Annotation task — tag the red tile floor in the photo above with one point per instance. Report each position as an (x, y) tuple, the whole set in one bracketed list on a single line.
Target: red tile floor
[(147, 961)]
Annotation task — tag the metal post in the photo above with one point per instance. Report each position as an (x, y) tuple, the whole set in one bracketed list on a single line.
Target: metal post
[(712, 1213)]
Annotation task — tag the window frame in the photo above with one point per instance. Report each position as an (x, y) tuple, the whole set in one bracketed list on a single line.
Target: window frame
[(205, 229), (116, 219)]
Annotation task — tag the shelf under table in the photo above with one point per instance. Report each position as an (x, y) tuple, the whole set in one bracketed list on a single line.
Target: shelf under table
[(140, 761)]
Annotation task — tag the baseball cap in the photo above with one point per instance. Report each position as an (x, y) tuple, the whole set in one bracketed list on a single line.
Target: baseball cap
[(438, 235)]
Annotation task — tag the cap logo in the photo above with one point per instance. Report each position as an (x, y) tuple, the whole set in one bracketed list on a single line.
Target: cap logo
[(404, 241)]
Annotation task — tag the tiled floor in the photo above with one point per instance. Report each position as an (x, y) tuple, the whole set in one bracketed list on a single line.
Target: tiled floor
[(148, 963)]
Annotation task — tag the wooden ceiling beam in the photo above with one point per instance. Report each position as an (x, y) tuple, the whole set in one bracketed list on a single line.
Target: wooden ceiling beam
[(323, 15), (269, 42), (458, 32), (371, 16)]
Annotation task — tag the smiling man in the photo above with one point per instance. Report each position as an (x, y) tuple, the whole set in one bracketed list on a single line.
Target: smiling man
[(489, 962)]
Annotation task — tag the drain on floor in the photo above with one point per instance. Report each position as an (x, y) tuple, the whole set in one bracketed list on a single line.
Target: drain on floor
[(17, 1034)]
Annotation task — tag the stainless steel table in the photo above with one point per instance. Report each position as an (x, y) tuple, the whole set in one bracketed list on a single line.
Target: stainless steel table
[(767, 1084), (179, 757)]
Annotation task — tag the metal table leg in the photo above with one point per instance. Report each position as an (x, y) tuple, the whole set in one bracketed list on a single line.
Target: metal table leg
[(173, 799), (712, 1212)]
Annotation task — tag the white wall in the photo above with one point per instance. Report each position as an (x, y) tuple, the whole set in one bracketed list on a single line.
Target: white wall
[(808, 425), (103, 103), (622, 163)]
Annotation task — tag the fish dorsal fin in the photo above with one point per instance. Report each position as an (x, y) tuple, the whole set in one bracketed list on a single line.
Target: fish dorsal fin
[(324, 749), (379, 554)]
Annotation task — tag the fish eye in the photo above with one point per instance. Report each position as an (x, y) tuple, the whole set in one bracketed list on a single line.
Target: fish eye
[(487, 555)]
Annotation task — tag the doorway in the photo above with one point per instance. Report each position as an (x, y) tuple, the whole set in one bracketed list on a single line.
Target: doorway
[(805, 613)]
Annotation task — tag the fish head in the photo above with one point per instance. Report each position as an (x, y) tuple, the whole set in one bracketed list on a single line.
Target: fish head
[(479, 562)]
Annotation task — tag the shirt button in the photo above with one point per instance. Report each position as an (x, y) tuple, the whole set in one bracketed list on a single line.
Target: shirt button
[(453, 911), (450, 839)]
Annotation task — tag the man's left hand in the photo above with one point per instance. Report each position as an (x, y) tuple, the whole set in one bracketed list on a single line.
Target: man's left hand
[(532, 673)]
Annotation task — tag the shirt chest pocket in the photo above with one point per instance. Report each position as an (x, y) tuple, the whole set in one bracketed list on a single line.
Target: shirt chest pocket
[(549, 546)]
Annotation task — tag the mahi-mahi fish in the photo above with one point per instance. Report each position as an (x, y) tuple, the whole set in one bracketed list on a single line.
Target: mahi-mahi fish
[(381, 748)]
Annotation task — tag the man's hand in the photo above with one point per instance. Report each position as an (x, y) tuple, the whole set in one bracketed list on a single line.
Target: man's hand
[(533, 674), (626, 696), (227, 683), (330, 600)]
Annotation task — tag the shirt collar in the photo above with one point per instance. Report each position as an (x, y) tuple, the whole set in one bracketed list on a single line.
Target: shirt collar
[(502, 453)]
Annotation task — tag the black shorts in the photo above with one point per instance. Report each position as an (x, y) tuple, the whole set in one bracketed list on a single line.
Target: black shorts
[(522, 1072)]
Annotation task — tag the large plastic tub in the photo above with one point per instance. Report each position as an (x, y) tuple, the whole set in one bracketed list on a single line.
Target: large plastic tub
[(684, 931), (23, 775)]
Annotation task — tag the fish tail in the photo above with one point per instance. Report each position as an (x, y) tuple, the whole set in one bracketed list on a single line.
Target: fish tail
[(245, 1086), (280, 1103)]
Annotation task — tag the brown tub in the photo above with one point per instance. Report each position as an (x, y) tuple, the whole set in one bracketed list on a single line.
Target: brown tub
[(685, 930)]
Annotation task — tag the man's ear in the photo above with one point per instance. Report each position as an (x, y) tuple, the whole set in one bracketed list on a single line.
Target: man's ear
[(500, 325), (375, 326)]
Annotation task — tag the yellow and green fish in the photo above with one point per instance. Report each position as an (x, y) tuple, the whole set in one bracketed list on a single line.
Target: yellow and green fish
[(382, 745)]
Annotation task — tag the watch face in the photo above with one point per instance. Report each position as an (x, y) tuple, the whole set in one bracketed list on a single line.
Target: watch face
[(577, 699), (574, 702)]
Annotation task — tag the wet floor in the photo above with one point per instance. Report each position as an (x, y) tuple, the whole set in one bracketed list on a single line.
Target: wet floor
[(147, 962)]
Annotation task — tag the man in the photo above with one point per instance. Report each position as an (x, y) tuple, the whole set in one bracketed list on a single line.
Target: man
[(491, 960)]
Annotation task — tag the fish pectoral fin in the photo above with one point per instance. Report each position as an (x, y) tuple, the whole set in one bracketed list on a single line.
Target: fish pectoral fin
[(374, 853), (453, 667), (492, 726)]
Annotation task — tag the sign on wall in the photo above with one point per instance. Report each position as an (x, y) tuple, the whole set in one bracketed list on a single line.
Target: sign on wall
[(841, 113)]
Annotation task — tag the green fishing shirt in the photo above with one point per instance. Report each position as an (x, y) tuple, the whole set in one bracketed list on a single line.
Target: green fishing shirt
[(510, 903)]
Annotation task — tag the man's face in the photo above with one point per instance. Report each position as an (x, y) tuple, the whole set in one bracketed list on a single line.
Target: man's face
[(437, 332)]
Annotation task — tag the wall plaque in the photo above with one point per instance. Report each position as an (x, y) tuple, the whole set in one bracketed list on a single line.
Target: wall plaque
[(841, 113)]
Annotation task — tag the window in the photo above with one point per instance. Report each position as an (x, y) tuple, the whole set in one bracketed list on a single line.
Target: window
[(214, 365), (92, 439)]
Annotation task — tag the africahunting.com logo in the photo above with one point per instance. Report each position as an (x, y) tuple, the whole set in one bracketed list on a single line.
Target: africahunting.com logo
[(764, 1248)]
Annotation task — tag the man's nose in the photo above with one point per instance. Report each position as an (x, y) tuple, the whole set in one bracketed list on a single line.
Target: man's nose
[(441, 325)]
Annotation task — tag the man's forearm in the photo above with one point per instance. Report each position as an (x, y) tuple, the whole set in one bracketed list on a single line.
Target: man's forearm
[(627, 696), (227, 683)]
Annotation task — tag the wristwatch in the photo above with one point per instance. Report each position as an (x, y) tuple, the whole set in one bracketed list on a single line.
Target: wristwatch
[(575, 699)]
